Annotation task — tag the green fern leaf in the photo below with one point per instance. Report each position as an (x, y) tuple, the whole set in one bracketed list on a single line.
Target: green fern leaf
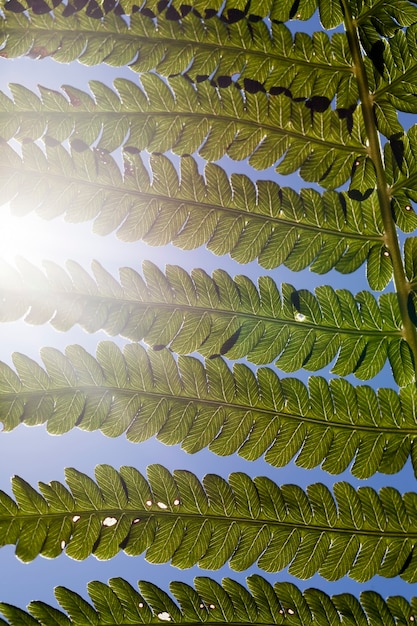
[(249, 50), (156, 118), (401, 174), (238, 520), (395, 78), (281, 226), (213, 316), (378, 16), (229, 602)]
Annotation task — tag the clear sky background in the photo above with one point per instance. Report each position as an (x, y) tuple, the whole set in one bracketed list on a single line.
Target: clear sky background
[(35, 455)]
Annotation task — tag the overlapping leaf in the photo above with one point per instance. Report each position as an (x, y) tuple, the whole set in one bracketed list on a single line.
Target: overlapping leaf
[(174, 517), (308, 67), (400, 164), (217, 316), (146, 394), (188, 118), (231, 11), (229, 602), (262, 220), (381, 16), (400, 160), (376, 18), (304, 67), (396, 78)]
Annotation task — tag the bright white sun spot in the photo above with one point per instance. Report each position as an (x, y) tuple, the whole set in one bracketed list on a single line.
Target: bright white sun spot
[(31, 237), (300, 317), (164, 616)]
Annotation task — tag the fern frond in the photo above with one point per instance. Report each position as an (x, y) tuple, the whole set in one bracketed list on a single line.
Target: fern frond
[(396, 78), (383, 18), (230, 11), (281, 226), (174, 517), (400, 161), (228, 602), (217, 316), (146, 394), (374, 15), (188, 118), (304, 67)]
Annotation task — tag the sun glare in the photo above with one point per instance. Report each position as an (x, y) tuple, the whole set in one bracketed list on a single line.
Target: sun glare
[(29, 237)]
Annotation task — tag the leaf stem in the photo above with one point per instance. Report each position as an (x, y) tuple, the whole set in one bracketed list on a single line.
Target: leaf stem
[(401, 283)]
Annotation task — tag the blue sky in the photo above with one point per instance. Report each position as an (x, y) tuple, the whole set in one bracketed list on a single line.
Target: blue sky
[(34, 455)]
